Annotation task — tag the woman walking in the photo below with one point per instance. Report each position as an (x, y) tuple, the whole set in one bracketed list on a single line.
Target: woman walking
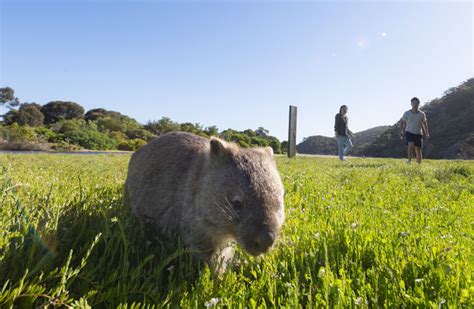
[(343, 134)]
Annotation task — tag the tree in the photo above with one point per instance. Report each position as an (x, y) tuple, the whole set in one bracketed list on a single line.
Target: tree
[(284, 146), (162, 126), (30, 114), (56, 110), (7, 98), (97, 113), (212, 131), (261, 131), (276, 146), (250, 132), (10, 117), (195, 128), (120, 124), (140, 134)]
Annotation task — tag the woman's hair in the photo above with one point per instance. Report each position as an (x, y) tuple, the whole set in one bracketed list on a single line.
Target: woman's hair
[(340, 108)]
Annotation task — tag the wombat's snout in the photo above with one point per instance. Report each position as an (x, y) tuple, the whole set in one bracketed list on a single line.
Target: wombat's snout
[(262, 242)]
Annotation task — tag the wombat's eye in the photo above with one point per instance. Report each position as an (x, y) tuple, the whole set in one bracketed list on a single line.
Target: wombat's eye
[(237, 204)]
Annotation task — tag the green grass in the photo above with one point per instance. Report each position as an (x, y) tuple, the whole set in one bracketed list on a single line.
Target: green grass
[(372, 233)]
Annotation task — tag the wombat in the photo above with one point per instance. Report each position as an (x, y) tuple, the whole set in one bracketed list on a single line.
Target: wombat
[(207, 192)]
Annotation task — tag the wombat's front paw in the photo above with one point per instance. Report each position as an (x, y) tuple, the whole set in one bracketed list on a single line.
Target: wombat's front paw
[(221, 260)]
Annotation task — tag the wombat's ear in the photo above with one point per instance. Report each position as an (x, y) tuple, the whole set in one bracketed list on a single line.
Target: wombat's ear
[(269, 150), (218, 149)]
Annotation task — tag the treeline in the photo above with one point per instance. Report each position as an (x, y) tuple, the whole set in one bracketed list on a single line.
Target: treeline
[(64, 125)]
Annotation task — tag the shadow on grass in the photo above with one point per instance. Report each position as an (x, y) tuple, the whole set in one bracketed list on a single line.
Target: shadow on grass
[(99, 254)]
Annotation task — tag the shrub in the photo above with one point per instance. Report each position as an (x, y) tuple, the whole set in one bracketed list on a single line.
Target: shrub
[(140, 134), (276, 146), (84, 134), (162, 126), (44, 134), (90, 139), (117, 124), (17, 134), (119, 137), (132, 144)]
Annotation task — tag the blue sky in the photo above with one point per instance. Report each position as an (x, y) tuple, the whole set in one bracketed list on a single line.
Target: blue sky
[(238, 64)]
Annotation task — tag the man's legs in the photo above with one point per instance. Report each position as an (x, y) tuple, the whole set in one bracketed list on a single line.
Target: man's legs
[(419, 155), (418, 147), (411, 150)]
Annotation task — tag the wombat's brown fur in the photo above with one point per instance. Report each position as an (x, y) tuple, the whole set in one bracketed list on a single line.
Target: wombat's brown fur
[(208, 193)]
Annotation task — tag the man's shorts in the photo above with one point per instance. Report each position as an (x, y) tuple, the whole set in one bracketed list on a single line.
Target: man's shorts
[(417, 139)]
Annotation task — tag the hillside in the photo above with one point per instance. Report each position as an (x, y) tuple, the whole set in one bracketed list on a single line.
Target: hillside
[(363, 139), (451, 124), (318, 144)]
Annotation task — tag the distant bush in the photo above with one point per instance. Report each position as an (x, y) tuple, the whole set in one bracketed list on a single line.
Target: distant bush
[(44, 134), (250, 138), (140, 134), (84, 134), (162, 126), (276, 146), (132, 145), (17, 134), (284, 147), (119, 137), (194, 128), (117, 124), (90, 139)]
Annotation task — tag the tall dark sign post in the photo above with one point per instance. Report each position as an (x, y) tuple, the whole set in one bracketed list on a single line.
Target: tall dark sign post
[(292, 133)]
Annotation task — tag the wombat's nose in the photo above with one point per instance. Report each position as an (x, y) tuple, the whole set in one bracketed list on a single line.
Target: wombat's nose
[(264, 241)]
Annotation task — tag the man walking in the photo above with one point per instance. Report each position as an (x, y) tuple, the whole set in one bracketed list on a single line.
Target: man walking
[(344, 143), (415, 127)]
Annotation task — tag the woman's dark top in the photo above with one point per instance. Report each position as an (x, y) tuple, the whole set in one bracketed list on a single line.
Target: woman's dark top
[(341, 125)]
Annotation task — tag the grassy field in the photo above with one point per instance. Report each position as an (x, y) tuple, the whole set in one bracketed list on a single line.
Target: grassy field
[(372, 233)]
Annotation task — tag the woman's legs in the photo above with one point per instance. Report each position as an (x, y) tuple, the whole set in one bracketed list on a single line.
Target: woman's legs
[(340, 147), (348, 145)]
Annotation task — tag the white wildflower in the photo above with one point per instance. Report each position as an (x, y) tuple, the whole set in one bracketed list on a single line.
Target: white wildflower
[(404, 234), (322, 272), (211, 303)]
